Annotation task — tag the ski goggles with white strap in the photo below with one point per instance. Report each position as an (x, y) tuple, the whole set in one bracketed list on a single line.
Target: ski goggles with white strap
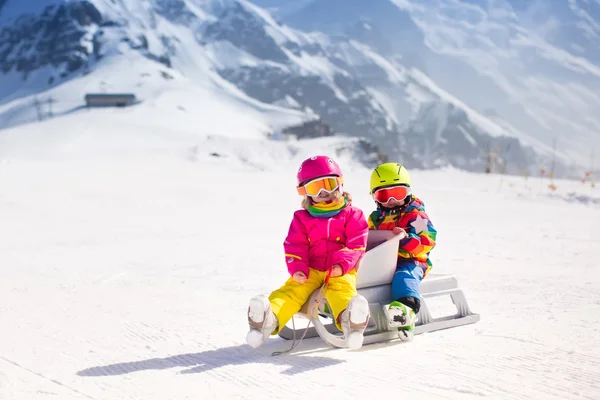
[(328, 184), (385, 194)]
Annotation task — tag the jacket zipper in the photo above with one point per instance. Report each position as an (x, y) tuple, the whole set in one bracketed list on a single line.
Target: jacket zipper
[(327, 241)]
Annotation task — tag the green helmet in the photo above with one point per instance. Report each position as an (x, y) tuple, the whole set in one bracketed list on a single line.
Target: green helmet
[(389, 174)]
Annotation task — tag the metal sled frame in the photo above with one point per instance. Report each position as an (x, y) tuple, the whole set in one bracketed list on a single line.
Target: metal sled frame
[(375, 272)]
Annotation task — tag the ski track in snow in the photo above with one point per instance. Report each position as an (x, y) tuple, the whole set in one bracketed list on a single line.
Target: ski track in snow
[(52, 390), (123, 278)]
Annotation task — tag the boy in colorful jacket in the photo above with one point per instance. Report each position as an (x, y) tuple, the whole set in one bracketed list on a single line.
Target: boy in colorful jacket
[(328, 236), (400, 211)]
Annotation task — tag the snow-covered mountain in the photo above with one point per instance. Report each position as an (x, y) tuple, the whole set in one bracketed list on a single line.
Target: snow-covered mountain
[(534, 64), (226, 66), (62, 50)]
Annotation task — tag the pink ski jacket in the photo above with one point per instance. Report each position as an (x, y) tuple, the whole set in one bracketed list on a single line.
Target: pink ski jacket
[(320, 243)]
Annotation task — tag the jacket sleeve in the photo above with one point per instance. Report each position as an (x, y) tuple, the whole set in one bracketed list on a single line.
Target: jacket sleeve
[(357, 231), (296, 247), (370, 222), (420, 234)]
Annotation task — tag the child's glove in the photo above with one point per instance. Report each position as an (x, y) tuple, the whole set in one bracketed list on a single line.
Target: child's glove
[(300, 277), (399, 231), (336, 271)]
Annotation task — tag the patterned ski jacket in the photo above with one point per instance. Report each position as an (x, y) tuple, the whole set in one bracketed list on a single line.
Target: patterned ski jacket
[(420, 233), (320, 243)]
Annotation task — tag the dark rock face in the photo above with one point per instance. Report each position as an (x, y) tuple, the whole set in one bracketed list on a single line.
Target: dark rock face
[(356, 117), (311, 129), (242, 29), (57, 36), (68, 36), (175, 11)]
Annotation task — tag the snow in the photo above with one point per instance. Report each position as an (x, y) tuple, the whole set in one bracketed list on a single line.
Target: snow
[(588, 24), (128, 254), (417, 96), (386, 101), (467, 135), (288, 102), (225, 55), (280, 34), (396, 74), (12, 87), (282, 8), (311, 65)]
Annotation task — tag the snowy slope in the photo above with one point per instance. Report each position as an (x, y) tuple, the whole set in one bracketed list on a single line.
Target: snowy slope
[(169, 101), (533, 64), (128, 256)]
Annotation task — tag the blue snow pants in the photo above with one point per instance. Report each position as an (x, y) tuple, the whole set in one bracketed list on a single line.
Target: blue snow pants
[(406, 280)]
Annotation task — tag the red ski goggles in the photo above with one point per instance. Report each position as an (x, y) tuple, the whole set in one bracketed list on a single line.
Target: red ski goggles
[(385, 194), (313, 188)]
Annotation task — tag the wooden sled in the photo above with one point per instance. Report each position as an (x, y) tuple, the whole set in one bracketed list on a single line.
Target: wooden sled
[(375, 272)]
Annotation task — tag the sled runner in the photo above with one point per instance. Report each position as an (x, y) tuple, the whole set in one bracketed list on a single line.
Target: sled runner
[(375, 272)]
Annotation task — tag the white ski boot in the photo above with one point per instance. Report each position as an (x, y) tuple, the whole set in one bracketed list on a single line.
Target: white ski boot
[(261, 319), (354, 321), (402, 318)]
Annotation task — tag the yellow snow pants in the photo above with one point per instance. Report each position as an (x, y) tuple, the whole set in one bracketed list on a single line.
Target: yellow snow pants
[(288, 299)]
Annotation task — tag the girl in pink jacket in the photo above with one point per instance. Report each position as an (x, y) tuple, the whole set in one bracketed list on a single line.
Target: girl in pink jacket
[(328, 235)]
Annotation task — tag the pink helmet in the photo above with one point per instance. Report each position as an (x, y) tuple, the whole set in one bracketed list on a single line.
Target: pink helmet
[(316, 167)]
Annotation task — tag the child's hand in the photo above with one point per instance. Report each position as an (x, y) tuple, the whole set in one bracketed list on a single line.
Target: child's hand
[(336, 271), (399, 231), (300, 277)]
